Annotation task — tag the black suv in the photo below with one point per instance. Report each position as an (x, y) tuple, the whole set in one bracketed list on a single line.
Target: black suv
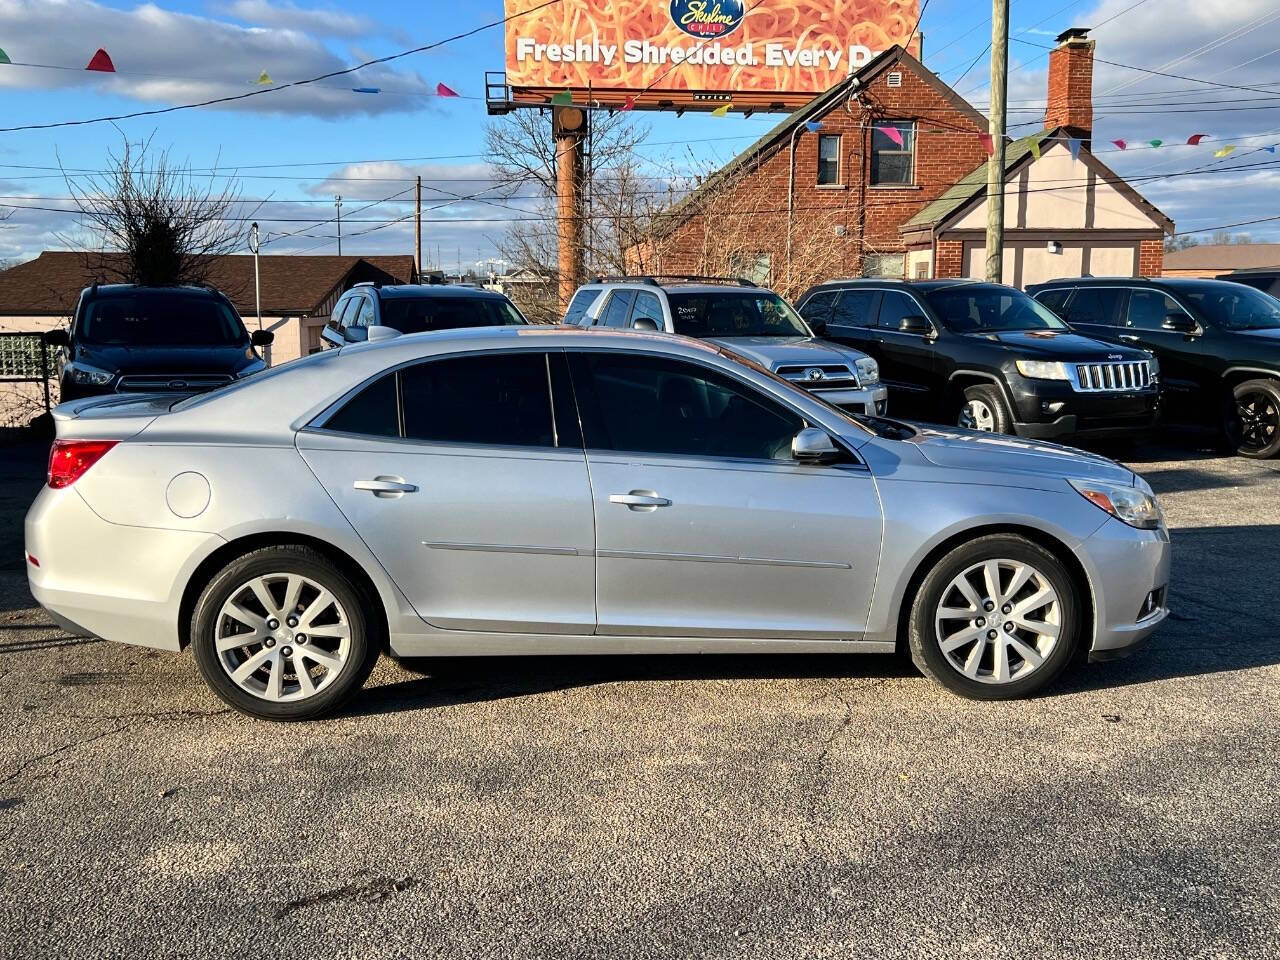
[(1218, 344), (369, 311), (126, 338), (986, 357)]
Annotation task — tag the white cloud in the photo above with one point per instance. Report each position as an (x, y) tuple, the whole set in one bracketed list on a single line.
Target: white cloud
[(317, 20), (167, 57)]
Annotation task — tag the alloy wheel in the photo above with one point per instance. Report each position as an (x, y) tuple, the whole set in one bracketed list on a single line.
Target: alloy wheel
[(998, 621), (282, 637), (1259, 419), (976, 415)]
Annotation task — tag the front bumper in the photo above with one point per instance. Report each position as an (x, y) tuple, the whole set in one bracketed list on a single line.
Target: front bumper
[(1045, 409), (873, 401), (1125, 566)]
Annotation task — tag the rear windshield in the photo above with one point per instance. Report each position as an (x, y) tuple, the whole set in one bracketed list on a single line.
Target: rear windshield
[(757, 313), (420, 314), (160, 319)]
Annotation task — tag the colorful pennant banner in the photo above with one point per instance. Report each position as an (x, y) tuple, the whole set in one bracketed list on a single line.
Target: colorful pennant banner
[(101, 62)]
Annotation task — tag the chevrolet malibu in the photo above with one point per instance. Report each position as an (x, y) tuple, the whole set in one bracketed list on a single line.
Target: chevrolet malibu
[(529, 490)]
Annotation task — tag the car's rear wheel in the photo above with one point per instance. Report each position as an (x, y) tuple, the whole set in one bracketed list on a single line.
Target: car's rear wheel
[(281, 633), (984, 409), (995, 619), (1257, 410)]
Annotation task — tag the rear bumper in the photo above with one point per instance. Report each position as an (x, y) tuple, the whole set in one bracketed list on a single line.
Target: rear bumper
[(100, 579)]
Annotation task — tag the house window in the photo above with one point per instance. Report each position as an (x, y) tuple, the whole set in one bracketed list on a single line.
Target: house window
[(828, 160), (756, 267), (883, 265), (892, 163)]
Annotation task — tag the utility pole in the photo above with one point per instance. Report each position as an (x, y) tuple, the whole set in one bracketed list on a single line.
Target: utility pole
[(569, 131), (995, 125), (337, 202), (417, 227)]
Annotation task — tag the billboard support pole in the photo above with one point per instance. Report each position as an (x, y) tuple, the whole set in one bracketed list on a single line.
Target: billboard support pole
[(568, 125)]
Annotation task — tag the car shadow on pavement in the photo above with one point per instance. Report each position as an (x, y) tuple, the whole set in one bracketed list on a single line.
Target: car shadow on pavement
[(1224, 598)]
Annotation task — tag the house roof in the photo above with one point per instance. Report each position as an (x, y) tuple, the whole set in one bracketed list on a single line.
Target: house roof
[(1224, 256), (778, 135), (974, 184), (51, 283)]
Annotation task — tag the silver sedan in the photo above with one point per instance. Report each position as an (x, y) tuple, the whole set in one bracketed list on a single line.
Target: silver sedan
[(533, 490)]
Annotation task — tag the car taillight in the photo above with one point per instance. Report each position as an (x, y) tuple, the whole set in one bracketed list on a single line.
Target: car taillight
[(69, 459)]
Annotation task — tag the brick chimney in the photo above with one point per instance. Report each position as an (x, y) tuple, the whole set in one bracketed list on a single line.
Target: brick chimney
[(1071, 84)]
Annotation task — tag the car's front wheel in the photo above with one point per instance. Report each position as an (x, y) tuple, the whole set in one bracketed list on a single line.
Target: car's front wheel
[(281, 633), (984, 409), (995, 619), (1257, 410)]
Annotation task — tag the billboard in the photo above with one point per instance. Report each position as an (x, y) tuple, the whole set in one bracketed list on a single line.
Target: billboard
[(755, 52)]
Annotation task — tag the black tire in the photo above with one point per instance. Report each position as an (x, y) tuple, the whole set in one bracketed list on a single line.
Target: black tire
[(990, 397), (316, 567), (925, 644), (1257, 416)]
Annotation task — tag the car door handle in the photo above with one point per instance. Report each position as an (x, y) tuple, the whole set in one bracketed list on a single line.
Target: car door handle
[(645, 500), (386, 486), (1128, 336)]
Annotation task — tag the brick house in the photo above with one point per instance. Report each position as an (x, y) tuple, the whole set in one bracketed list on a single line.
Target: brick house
[(885, 175)]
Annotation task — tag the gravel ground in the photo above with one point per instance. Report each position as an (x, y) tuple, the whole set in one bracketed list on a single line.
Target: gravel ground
[(664, 806)]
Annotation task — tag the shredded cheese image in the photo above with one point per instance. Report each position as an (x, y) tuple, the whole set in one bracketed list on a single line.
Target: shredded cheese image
[(791, 46)]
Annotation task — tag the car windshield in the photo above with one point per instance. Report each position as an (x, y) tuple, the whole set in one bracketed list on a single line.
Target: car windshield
[(420, 314), (969, 309), (1234, 306), (160, 319), (734, 313)]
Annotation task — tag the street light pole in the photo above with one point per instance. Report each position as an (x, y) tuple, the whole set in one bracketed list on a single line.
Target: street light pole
[(337, 202), (257, 286)]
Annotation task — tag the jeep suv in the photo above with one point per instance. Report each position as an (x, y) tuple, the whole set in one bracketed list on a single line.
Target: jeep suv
[(126, 338), (987, 357), (369, 311), (751, 321), (1218, 343)]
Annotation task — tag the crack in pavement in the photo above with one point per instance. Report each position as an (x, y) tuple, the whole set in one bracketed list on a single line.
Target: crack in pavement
[(373, 891)]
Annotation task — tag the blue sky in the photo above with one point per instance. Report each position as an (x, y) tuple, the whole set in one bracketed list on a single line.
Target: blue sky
[(172, 52)]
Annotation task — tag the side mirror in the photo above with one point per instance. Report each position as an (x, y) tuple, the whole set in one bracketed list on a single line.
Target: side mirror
[(1179, 322), (915, 324), (373, 334), (646, 324), (57, 337), (332, 337), (812, 445), (262, 338), (819, 327)]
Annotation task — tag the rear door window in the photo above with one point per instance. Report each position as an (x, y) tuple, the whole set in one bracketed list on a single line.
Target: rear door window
[(373, 412), (483, 400), (579, 304), (855, 308), (1097, 305), (617, 309)]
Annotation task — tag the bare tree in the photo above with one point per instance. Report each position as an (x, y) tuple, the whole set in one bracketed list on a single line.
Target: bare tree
[(153, 221), (616, 196)]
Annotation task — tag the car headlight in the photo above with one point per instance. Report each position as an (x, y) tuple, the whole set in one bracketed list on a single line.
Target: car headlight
[(1153, 366), (86, 374), (868, 370), (1135, 506), (1042, 369)]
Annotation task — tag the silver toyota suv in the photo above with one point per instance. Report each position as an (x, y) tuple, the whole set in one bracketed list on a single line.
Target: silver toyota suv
[(739, 315)]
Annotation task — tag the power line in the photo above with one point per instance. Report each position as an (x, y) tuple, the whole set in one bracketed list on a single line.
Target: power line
[(284, 86)]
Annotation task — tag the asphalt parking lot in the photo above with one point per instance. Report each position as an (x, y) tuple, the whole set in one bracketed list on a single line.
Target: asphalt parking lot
[(664, 807)]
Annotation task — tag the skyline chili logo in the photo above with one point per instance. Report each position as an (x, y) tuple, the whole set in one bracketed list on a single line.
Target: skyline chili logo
[(706, 19)]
